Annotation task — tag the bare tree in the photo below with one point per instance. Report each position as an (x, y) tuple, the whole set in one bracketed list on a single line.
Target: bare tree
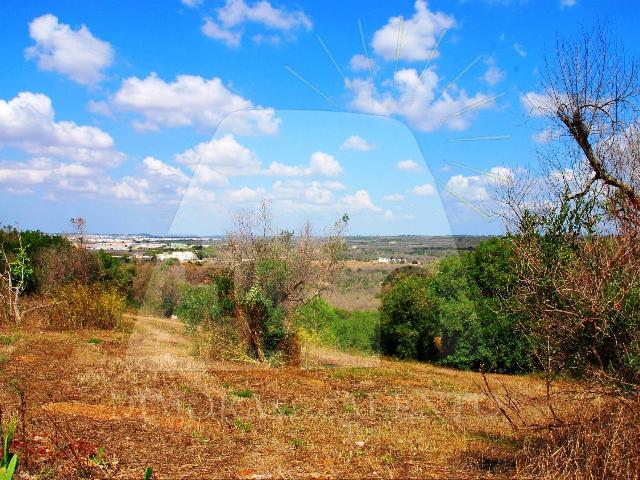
[(591, 95), (276, 271)]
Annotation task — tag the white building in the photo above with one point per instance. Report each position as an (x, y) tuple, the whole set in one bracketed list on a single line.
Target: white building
[(180, 256)]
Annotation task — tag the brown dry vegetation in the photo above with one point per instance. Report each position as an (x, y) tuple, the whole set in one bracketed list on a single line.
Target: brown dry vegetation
[(144, 399)]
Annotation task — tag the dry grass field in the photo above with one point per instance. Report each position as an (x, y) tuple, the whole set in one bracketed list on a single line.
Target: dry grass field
[(109, 404)]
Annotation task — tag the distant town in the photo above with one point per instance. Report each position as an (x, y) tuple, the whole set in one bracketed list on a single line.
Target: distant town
[(378, 249)]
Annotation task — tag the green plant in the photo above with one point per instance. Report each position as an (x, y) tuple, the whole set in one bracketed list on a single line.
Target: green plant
[(148, 473), (244, 393), (409, 319), (297, 443), (242, 425), (9, 460)]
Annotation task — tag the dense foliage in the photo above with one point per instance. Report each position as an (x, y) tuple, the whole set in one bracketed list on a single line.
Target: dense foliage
[(460, 316), (321, 323)]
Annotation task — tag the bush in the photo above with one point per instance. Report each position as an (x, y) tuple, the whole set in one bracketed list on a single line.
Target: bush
[(78, 306), (198, 305), (409, 319), (478, 326), (336, 328)]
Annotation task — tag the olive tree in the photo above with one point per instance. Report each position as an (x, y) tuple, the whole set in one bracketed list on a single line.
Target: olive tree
[(276, 271)]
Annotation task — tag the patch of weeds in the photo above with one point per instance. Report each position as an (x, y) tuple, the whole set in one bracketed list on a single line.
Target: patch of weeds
[(201, 438), (7, 339), (394, 392), (94, 341), (99, 459), (244, 393), (387, 459), (4, 358), (445, 386), (359, 394), (349, 408), (242, 425), (46, 473), (184, 388), (433, 414), (297, 443), (285, 410)]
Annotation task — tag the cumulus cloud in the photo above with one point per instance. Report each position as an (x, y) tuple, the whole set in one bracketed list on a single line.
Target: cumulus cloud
[(28, 122), (409, 166), (158, 167), (419, 34), (359, 63), (418, 100), (360, 200), (320, 163), (223, 155), (235, 13), (354, 142), (191, 101), (424, 190), (213, 30), (244, 194), (568, 3), (74, 53), (475, 187)]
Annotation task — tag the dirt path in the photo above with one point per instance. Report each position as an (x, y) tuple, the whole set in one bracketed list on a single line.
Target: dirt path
[(160, 344)]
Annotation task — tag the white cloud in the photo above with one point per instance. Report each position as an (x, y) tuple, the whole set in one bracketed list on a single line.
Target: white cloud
[(419, 36), (519, 48), (324, 164), (568, 3), (544, 136), (493, 75), (474, 187), (191, 101), (320, 163), (236, 13), (212, 30), (158, 167), (409, 166), (394, 197), (424, 190), (244, 194), (360, 200), (360, 63), (537, 104), (75, 53), (419, 102), (297, 194), (99, 108), (224, 155), (131, 189), (191, 3), (28, 122), (354, 142)]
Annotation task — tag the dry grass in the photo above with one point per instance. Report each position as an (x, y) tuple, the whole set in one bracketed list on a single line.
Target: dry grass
[(144, 399)]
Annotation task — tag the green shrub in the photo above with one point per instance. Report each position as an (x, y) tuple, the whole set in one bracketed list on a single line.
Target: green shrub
[(409, 319), (338, 328)]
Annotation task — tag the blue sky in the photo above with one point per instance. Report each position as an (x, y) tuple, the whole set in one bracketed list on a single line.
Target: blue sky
[(171, 116)]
